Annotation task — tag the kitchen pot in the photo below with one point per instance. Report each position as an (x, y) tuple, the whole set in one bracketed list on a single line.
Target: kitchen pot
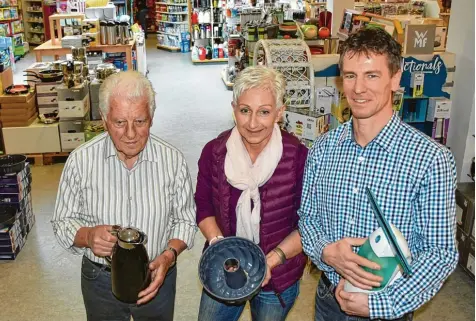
[(129, 262), (11, 164), (232, 270)]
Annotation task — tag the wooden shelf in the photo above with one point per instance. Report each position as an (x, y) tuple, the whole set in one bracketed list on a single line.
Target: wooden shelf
[(33, 11), (168, 48), (216, 60), (29, 21), (184, 12), (173, 4), (38, 32)]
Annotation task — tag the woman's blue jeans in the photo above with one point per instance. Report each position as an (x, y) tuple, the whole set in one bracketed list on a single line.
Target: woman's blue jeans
[(265, 306)]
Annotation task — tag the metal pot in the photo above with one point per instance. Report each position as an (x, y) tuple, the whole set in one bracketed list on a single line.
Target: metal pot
[(129, 262), (103, 32)]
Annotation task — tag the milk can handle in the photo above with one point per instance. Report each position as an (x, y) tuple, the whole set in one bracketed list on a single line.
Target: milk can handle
[(115, 230)]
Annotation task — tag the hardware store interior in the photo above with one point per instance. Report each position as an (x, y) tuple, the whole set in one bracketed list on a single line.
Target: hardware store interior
[(55, 55)]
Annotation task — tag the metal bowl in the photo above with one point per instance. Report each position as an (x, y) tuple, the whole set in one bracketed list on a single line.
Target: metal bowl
[(212, 272)]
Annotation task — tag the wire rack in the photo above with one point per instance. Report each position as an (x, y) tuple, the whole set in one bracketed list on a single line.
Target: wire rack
[(293, 59)]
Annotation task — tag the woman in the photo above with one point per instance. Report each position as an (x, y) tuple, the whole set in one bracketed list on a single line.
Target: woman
[(249, 184)]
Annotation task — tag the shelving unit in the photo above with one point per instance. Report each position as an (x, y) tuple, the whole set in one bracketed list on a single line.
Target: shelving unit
[(11, 25), (214, 35), (172, 19), (35, 29)]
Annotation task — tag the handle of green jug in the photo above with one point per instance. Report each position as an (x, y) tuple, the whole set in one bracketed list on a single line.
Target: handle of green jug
[(115, 230)]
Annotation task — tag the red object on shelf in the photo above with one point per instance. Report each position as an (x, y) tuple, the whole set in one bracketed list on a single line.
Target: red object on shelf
[(47, 12), (325, 19), (194, 18)]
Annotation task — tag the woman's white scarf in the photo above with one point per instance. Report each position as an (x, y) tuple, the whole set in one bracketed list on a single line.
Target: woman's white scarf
[(242, 174)]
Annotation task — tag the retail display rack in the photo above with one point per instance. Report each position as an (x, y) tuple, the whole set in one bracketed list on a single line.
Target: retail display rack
[(173, 23)]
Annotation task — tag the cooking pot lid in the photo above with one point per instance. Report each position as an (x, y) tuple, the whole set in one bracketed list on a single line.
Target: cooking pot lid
[(129, 235)]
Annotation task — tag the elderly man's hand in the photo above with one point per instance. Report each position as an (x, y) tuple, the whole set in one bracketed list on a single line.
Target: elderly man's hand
[(159, 268), (100, 240)]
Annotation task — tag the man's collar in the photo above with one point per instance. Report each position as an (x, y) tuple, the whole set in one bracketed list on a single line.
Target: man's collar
[(386, 137), (147, 154)]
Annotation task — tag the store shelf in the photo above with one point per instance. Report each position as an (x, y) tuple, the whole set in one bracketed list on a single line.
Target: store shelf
[(176, 23), (168, 34), (228, 85), (165, 12), (38, 32), (34, 42), (29, 21), (216, 60), (34, 11), (168, 48), (173, 4)]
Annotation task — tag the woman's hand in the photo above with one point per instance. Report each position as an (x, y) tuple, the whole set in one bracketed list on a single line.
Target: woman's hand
[(272, 261)]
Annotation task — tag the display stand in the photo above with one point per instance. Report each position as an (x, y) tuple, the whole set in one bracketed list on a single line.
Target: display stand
[(55, 20), (48, 49), (173, 19)]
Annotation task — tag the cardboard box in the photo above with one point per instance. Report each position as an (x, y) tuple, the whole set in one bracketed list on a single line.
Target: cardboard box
[(305, 127), (440, 38), (465, 208), (20, 122), (47, 88), (69, 141), (92, 38), (90, 25), (324, 99), (15, 114), (71, 126), (31, 103), (95, 111), (419, 39), (74, 109), (47, 101), (94, 90), (8, 99), (6, 78), (48, 110), (76, 93), (35, 138), (438, 107)]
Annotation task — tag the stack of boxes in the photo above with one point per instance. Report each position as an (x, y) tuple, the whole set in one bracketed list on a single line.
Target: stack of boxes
[(47, 97), (74, 110), (18, 110), (15, 190)]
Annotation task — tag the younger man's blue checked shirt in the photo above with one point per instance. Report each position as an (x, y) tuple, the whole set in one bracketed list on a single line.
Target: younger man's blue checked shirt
[(413, 179)]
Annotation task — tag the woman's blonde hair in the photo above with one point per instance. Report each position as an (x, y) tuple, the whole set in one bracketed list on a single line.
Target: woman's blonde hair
[(263, 78)]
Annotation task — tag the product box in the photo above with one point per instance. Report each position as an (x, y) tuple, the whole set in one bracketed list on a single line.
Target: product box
[(76, 93), (416, 84), (74, 109), (440, 38), (90, 25), (305, 127), (11, 240), (438, 107), (397, 99), (48, 110), (464, 196), (47, 101), (47, 88), (439, 130), (70, 141), (92, 39), (30, 103), (19, 122), (6, 78), (71, 134), (324, 99), (94, 90), (470, 260), (35, 138)]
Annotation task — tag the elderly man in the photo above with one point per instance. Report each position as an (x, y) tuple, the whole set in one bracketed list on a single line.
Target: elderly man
[(126, 177), (412, 176)]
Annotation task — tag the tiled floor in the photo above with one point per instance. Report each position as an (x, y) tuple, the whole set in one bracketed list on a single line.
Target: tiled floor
[(43, 284)]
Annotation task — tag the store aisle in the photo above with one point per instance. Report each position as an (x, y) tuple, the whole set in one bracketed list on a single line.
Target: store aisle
[(43, 284)]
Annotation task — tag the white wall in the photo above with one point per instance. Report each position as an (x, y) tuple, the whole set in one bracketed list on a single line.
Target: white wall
[(461, 42)]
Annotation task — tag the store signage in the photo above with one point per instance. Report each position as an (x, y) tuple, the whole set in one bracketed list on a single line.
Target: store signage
[(435, 75), (434, 66), (419, 39)]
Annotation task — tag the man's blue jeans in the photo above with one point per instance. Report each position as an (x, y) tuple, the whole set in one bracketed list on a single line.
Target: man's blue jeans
[(265, 306), (101, 305), (328, 309)]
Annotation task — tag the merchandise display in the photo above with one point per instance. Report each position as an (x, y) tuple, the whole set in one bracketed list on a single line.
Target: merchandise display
[(173, 27)]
